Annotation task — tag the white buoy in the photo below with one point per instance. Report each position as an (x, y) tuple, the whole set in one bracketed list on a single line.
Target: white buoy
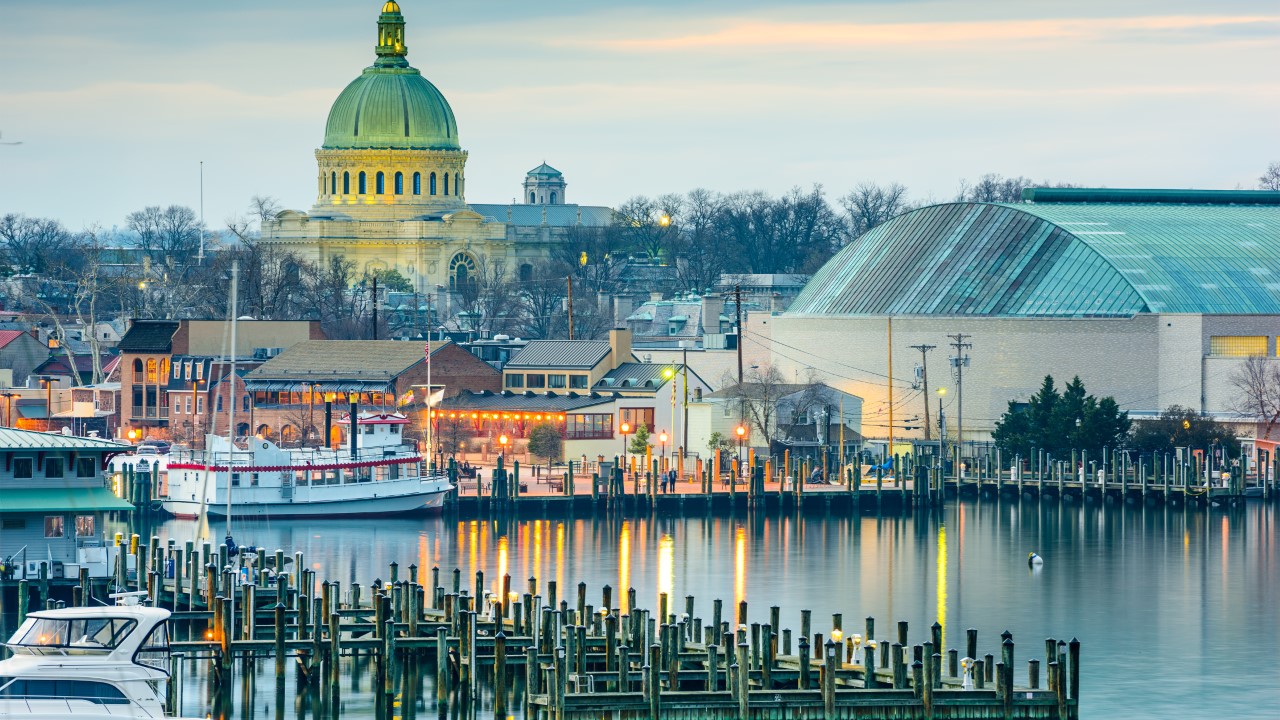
[(1034, 559)]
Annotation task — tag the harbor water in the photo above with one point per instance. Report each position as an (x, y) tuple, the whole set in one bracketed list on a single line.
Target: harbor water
[(1176, 610)]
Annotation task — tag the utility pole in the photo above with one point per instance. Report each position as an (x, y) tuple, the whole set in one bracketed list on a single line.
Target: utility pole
[(569, 280), (889, 447), (924, 364), (375, 309), (959, 362), (737, 294)]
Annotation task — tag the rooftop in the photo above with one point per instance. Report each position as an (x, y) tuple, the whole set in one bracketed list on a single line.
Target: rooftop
[(149, 336), (556, 215), (534, 402), (344, 364), (60, 499), (636, 376), (576, 354), (1116, 254), (14, 439)]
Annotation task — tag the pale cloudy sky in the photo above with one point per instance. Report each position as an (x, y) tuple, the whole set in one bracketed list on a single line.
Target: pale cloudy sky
[(117, 101)]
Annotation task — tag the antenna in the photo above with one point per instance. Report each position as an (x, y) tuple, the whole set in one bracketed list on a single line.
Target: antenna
[(200, 257)]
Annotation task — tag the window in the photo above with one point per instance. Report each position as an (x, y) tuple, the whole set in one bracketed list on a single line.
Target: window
[(99, 632), (177, 371), (526, 272), (13, 524), (99, 693), (578, 382), (186, 370), (635, 417), (200, 405), (333, 183), (86, 467), (137, 366), (363, 188), (399, 183), (446, 183), (462, 271), (245, 403), (515, 381), (151, 370), (22, 468), (1238, 346), (53, 467), (417, 183), (85, 526), (199, 370), (219, 404), (536, 380), (346, 183), (433, 183), (727, 409), (532, 198), (588, 427), (555, 381), (380, 183), (553, 197), (154, 651), (53, 526), (188, 410)]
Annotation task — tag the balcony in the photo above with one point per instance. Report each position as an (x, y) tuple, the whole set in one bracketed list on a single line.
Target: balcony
[(150, 413)]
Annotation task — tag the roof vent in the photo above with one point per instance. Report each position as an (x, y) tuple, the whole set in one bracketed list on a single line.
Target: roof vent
[(501, 338)]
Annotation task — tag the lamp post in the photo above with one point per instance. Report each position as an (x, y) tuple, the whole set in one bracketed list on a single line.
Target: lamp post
[(624, 428), (502, 443), (741, 432), (662, 440), (942, 430), (48, 402)]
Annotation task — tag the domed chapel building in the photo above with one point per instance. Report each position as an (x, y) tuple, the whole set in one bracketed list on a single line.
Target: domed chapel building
[(391, 186)]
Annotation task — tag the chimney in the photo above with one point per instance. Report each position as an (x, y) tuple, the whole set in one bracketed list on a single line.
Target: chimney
[(622, 308), (620, 346), (655, 296), (712, 309), (776, 306)]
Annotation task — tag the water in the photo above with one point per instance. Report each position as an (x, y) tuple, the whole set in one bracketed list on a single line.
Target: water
[(1176, 611)]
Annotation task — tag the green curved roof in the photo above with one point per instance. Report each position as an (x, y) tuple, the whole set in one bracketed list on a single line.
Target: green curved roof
[(391, 105), (1059, 259)]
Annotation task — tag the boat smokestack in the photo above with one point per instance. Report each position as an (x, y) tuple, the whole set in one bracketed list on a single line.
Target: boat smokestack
[(353, 428)]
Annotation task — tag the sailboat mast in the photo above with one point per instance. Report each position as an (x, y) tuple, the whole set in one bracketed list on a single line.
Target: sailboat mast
[(231, 434)]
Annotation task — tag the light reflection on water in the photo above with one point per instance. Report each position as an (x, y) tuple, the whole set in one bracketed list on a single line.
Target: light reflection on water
[(1172, 609)]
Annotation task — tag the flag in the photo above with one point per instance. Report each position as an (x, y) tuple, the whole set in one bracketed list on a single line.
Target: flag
[(426, 348)]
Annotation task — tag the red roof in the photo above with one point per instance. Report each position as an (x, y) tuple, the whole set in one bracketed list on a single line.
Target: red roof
[(8, 336)]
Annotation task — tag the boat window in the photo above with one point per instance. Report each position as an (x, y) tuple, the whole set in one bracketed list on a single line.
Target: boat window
[(96, 692), (76, 633), (395, 429), (154, 651)]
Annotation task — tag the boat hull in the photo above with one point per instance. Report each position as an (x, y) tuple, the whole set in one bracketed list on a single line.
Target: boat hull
[(347, 507)]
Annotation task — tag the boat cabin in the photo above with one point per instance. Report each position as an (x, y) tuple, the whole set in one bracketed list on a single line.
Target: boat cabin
[(54, 500), (377, 430)]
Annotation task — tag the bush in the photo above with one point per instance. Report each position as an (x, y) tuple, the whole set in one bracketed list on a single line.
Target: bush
[(545, 442)]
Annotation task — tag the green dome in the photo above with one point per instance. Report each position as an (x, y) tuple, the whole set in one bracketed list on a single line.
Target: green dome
[(391, 105)]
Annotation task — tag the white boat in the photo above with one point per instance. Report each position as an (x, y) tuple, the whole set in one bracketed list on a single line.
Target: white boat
[(382, 475), (94, 663)]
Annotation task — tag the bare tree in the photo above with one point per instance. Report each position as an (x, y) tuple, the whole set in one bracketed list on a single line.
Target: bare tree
[(1257, 384), (870, 204), (167, 233), (35, 245), (1270, 179), (595, 254), (489, 298), (701, 257), (756, 400), (542, 301)]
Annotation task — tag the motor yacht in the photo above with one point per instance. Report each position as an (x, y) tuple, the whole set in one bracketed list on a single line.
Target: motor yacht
[(90, 663)]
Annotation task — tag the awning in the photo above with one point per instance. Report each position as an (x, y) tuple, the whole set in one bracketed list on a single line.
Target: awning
[(27, 500)]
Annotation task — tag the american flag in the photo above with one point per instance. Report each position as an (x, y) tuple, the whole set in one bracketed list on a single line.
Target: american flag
[(426, 349)]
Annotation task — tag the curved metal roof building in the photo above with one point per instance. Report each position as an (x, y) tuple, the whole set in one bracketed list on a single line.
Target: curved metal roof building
[(1063, 253)]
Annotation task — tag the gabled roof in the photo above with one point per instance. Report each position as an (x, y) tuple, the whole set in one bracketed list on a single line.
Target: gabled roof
[(571, 354), (8, 336), (342, 361), (149, 336), (14, 439)]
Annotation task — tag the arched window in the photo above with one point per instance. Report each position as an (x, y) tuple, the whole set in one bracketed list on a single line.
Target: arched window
[(363, 186), (151, 370), (417, 183), (164, 367), (553, 197), (399, 183), (333, 183), (380, 183), (346, 183), (462, 271), (457, 185), (433, 183), (137, 366), (446, 183), (532, 198)]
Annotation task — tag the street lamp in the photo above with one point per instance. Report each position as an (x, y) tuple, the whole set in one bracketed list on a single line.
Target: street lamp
[(662, 440), (741, 431), (502, 441), (942, 428)]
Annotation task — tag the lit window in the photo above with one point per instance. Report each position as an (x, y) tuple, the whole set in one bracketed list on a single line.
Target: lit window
[(1238, 346), (53, 526), (85, 526)]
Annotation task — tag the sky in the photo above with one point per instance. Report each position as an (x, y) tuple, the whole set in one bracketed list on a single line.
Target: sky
[(116, 103)]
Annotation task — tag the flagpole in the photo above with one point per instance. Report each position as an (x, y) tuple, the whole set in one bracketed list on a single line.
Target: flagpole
[(431, 447)]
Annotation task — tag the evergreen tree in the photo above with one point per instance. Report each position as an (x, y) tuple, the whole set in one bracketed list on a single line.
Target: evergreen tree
[(1058, 423)]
